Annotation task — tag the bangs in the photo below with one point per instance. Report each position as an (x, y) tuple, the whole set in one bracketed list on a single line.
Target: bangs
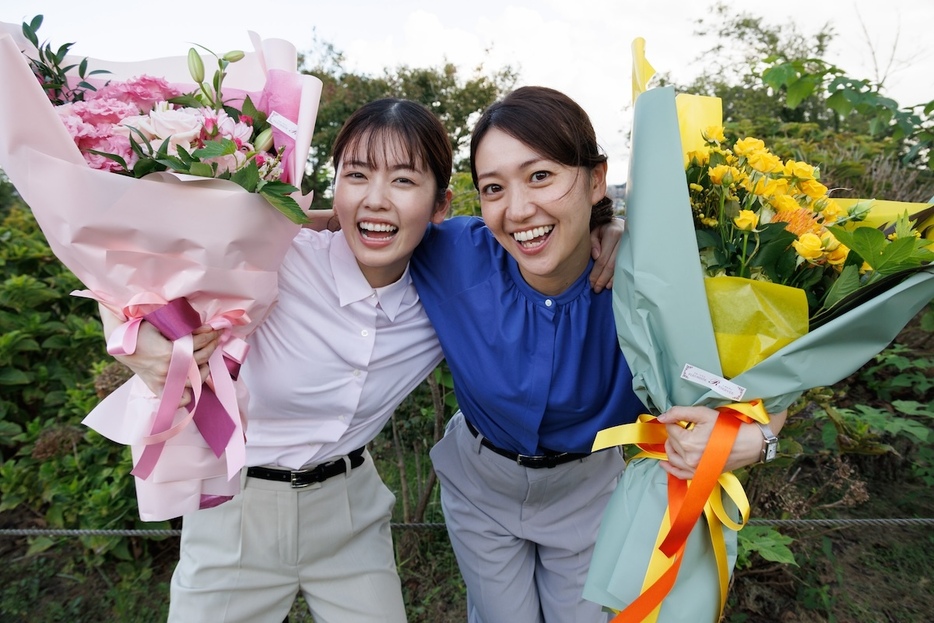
[(385, 146)]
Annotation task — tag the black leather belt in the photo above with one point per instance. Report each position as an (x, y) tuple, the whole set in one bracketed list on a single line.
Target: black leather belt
[(304, 477), (551, 459)]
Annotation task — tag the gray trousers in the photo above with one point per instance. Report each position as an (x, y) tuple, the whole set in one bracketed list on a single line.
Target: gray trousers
[(523, 537), (244, 561)]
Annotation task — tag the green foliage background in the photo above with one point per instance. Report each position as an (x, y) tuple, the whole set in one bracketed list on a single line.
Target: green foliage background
[(873, 428)]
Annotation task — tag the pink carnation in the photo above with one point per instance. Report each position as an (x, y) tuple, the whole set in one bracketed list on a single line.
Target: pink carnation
[(101, 111), (143, 92)]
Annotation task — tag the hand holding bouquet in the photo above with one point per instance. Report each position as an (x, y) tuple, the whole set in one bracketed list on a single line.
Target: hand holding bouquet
[(158, 193), (741, 218)]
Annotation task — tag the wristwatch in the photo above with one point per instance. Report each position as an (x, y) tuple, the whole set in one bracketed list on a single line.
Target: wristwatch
[(770, 447)]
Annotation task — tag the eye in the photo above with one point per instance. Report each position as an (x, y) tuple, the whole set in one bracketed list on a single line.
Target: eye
[(540, 176), (404, 180), (491, 189)]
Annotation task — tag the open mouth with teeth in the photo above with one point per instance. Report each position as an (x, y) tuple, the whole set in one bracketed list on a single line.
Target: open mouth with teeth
[(377, 231), (531, 238)]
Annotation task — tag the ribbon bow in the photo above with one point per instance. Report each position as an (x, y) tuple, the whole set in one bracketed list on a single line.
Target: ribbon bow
[(686, 501)]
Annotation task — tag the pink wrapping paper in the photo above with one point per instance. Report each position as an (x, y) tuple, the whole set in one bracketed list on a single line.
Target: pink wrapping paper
[(138, 243)]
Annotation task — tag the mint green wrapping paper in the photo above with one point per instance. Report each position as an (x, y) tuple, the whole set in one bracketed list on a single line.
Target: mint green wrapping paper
[(663, 323)]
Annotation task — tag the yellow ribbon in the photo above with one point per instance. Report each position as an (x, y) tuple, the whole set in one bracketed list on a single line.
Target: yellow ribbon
[(650, 436)]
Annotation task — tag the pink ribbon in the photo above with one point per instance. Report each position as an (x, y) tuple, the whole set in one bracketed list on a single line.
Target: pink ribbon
[(214, 410)]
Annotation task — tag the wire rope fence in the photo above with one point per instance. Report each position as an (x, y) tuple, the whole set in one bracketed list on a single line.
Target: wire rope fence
[(788, 523)]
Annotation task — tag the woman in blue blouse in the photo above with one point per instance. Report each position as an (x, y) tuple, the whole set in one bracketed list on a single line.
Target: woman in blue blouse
[(536, 364)]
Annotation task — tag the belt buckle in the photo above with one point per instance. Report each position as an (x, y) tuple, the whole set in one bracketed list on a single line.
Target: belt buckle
[(528, 460), (297, 482)]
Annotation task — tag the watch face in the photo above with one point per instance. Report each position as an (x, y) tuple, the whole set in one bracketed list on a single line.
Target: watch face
[(771, 450)]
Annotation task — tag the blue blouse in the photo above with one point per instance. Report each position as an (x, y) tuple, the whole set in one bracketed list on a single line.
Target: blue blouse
[(531, 372)]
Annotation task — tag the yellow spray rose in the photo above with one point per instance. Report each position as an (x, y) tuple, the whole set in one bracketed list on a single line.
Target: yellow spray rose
[(722, 174), (765, 162), (747, 146), (812, 188), (832, 212), (746, 220), (713, 134), (809, 246), (800, 170), (784, 203)]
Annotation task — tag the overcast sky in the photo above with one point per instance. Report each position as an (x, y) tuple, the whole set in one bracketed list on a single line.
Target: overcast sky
[(581, 47)]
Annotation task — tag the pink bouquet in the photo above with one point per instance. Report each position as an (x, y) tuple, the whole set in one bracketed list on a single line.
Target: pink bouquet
[(190, 232)]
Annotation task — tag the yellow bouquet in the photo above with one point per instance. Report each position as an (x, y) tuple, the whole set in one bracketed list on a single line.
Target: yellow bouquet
[(736, 223)]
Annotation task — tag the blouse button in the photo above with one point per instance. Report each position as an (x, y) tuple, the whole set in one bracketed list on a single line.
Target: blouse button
[(548, 302), (364, 333)]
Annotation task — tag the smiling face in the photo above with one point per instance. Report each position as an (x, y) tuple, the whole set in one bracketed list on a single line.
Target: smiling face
[(384, 202), (538, 209)]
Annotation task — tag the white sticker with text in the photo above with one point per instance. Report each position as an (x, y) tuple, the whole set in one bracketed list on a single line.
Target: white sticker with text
[(284, 124), (725, 388)]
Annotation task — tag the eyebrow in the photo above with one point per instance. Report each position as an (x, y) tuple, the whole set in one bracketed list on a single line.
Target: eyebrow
[(522, 165), (407, 166)]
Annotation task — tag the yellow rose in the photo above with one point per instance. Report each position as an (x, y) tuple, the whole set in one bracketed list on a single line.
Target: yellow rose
[(699, 157), (764, 162), (768, 187), (721, 174), (800, 170), (746, 220), (838, 255), (832, 212), (747, 146), (713, 134), (784, 203), (812, 188), (809, 246)]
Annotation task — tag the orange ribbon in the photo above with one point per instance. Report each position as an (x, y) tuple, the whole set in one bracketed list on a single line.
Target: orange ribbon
[(687, 500)]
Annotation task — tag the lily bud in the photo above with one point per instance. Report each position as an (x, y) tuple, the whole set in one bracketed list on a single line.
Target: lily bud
[(233, 56), (195, 66), (263, 141)]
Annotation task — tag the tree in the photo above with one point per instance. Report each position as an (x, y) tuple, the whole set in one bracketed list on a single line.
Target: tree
[(775, 85), (455, 98)]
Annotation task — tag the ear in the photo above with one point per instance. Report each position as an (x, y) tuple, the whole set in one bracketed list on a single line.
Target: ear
[(598, 183), (442, 208)]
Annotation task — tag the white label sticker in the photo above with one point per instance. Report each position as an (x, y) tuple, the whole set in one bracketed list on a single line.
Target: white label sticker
[(284, 124), (725, 388)]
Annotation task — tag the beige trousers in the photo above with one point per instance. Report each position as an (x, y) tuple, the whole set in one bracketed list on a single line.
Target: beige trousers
[(246, 560)]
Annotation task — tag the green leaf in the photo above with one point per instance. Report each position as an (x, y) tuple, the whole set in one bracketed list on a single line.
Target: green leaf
[(39, 545), (119, 160), (12, 376), (800, 90), (839, 103), (201, 168), (846, 283), (884, 256), (247, 177), (216, 149), (277, 194)]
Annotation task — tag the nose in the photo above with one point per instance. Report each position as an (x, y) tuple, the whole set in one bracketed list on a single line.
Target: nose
[(520, 206), (377, 197)]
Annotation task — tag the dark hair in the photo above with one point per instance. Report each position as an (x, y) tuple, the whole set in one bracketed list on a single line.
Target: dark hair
[(375, 125), (553, 125)]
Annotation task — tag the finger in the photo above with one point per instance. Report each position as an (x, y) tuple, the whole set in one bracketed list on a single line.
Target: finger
[(681, 474), (602, 274), (204, 339)]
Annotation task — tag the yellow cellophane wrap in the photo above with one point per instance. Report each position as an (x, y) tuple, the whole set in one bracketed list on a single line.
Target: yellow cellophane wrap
[(753, 319)]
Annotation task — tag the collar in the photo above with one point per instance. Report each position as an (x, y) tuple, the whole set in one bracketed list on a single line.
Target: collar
[(352, 286)]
